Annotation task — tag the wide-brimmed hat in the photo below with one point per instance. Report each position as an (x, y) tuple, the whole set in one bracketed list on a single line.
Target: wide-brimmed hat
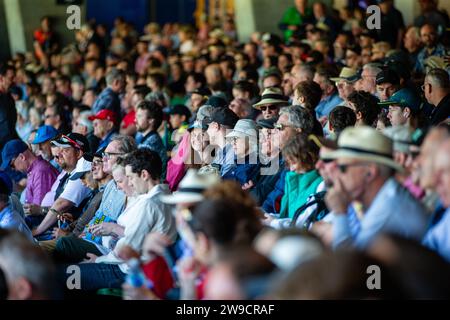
[(347, 74), (272, 96), (191, 188), (244, 128), (366, 144)]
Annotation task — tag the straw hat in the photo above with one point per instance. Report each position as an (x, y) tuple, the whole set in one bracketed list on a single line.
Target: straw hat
[(347, 74), (191, 188), (271, 96), (366, 144)]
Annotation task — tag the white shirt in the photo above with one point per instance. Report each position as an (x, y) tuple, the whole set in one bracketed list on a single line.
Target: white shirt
[(75, 192), (148, 214)]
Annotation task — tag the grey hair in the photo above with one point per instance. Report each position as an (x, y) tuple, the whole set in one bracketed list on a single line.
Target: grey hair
[(299, 117), (308, 71), (373, 67), (113, 75), (21, 258), (127, 143), (439, 78)]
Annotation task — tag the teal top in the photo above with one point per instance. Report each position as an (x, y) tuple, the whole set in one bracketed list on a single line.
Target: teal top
[(298, 188)]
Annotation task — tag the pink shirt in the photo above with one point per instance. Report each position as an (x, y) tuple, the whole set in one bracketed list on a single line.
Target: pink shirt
[(41, 176)]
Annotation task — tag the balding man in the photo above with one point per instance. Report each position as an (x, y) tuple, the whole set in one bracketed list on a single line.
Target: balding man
[(429, 38), (436, 88), (301, 73), (438, 237)]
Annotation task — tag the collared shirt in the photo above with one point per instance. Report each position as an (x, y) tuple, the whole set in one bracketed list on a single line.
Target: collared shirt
[(393, 210), (153, 142), (112, 205), (439, 51), (225, 159), (108, 99), (49, 197), (41, 176), (327, 105), (147, 214), (104, 143), (438, 237), (11, 219)]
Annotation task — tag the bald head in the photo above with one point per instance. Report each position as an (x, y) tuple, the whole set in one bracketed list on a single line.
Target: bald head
[(301, 73), (428, 35)]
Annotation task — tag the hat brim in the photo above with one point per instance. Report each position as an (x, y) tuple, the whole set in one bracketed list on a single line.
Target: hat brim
[(269, 101), (239, 134), (42, 140), (346, 154), (78, 175), (351, 80), (182, 197), (61, 145)]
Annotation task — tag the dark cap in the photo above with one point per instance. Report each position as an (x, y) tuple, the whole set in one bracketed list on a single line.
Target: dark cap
[(224, 117), (205, 92), (11, 150), (403, 98), (267, 123), (388, 76), (180, 109), (72, 140), (216, 102)]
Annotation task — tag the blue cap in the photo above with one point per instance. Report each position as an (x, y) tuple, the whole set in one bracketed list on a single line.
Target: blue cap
[(11, 150), (45, 133), (404, 98)]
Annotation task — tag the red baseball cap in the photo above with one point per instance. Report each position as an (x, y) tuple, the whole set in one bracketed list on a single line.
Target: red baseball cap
[(105, 114)]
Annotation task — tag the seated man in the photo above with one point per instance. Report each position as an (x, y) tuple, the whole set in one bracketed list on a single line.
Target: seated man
[(271, 102), (69, 195), (42, 140), (366, 174), (104, 126), (147, 214)]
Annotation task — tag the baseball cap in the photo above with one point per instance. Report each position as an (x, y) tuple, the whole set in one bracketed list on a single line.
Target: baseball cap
[(225, 117), (83, 166), (180, 109), (388, 76), (104, 114), (205, 92), (72, 140), (216, 102), (45, 133), (404, 98), (11, 150)]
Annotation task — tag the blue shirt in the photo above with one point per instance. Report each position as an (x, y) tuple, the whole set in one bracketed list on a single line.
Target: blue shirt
[(112, 205), (439, 51), (108, 99), (438, 237), (327, 105), (104, 143), (154, 142), (393, 210), (11, 219), (225, 159)]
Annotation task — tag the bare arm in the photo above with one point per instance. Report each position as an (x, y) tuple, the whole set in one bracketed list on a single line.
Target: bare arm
[(60, 205)]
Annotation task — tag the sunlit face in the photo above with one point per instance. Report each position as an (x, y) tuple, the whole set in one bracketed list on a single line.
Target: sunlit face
[(397, 115), (136, 181), (122, 181), (345, 88), (199, 139)]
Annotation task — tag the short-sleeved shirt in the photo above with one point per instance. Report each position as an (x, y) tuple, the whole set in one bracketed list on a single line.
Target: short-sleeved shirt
[(49, 197), (41, 176), (75, 192)]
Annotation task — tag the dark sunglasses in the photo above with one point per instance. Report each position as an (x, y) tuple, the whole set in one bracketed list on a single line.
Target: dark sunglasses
[(271, 108), (344, 167)]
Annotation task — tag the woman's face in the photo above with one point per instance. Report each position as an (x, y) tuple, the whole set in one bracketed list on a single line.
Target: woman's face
[(122, 181), (240, 146), (199, 140)]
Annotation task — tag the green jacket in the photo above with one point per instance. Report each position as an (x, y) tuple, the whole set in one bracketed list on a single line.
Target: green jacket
[(298, 188), (293, 17)]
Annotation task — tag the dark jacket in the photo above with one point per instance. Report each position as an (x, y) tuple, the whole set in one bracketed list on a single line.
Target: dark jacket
[(8, 118), (273, 201), (441, 112), (265, 184)]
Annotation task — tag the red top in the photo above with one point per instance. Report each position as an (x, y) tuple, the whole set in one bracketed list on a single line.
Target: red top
[(129, 119), (159, 273)]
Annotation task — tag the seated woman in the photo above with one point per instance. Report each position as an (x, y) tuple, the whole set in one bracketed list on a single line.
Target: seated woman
[(244, 139), (302, 180)]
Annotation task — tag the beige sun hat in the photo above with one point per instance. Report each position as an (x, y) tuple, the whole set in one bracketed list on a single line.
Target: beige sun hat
[(347, 74), (366, 144), (272, 96)]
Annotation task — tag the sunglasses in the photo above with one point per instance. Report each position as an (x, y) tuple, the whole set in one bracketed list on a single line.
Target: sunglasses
[(344, 167), (108, 155), (282, 127), (72, 142), (271, 108)]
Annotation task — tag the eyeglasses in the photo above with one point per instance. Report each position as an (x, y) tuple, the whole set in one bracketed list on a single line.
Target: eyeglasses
[(108, 155), (282, 127), (343, 167), (271, 108), (97, 163)]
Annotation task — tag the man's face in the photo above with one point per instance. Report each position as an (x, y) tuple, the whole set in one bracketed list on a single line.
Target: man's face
[(270, 111), (428, 36), (327, 168), (69, 158), (287, 85), (45, 150), (176, 120), (239, 108), (102, 128), (410, 41), (352, 59), (442, 174), (286, 133), (297, 76), (397, 116), (89, 98), (270, 82), (97, 169), (199, 139), (142, 123), (352, 174), (385, 91), (190, 85), (136, 182), (369, 81), (18, 163), (213, 131), (196, 101), (425, 161), (266, 141), (112, 152), (51, 118), (345, 88), (240, 146)]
